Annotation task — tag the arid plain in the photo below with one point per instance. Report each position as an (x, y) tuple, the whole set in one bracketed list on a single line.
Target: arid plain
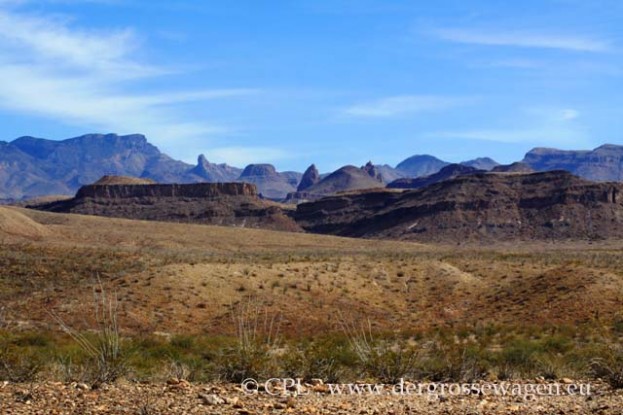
[(198, 303)]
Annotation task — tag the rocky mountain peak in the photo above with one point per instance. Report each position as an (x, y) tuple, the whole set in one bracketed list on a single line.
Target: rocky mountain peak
[(481, 163), (214, 172), (253, 170), (372, 171), (448, 172), (202, 160), (203, 165), (310, 178), (517, 167), (421, 165)]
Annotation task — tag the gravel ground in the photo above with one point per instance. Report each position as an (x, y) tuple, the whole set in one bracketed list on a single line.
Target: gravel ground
[(180, 397)]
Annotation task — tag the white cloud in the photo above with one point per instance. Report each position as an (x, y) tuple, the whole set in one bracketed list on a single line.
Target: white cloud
[(48, 39), (402, 105), (546, 125), (50, 69), (242, 156), (524, 40)]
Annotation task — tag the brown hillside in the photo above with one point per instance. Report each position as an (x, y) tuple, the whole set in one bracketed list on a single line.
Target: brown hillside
[(13, 223), (185, 278)]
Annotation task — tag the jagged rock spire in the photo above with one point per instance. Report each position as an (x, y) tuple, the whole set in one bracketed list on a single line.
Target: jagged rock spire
[(310, 178)]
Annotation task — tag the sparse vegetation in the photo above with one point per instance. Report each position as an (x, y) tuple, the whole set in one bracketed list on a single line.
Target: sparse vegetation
[(430, 312), (257, 338), (103, 347)]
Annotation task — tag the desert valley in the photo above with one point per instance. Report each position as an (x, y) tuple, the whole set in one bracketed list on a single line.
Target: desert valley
[(311, 207), (457, 274)]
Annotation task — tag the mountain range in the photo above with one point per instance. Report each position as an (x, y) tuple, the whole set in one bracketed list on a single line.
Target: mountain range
[(34, 167)]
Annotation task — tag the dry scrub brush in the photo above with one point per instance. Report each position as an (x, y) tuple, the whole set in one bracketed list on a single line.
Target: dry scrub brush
[(103, 347)]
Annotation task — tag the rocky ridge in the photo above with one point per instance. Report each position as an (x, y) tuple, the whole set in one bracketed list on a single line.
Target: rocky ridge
[(480, 206), (228, 204), (448, 172)]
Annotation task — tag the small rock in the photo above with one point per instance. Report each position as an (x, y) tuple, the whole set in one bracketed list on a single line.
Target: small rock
[(23, 397), (211, 399), (233, 401), (320, 389)]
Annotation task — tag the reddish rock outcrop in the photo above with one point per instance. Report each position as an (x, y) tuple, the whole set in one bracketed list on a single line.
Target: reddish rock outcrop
[(195, 190), (229, 204)]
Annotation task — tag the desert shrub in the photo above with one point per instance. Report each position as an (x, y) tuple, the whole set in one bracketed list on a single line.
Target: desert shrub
[(18, 366), (387, 360), (520, 354), (551, 367), (103, 347), (391, 362), (449, 362), (556, 343), (183, 342), (189, 368), (617, 324), (32, 340), (252, 355), (238, 363), (327, 358), (609, 366)]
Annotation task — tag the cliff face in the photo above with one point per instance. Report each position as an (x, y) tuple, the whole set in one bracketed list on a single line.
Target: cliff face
[(601, 164), (487, 207), (228, 204), (197, 190)]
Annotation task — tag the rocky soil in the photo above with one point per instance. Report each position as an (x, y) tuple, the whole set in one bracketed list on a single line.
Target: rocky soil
[(180, 397)]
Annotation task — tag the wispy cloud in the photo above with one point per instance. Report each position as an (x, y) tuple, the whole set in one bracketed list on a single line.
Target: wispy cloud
[(547, 125), (512, 135), (51, 69), (402, 105), (515, 64), (523, 39)]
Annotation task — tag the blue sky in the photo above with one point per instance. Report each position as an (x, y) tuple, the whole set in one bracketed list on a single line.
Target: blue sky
[(332, 82)]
